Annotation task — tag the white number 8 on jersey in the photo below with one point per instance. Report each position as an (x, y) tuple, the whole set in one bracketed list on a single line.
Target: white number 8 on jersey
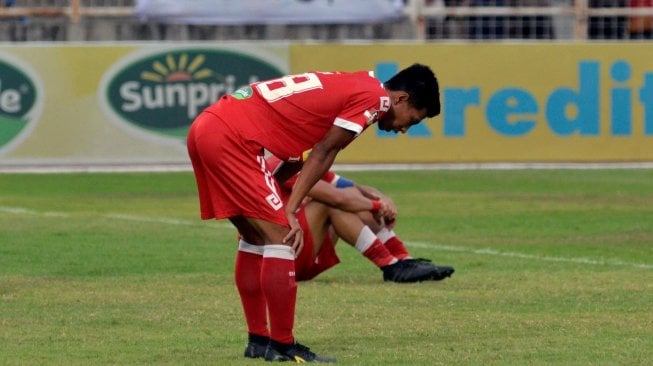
[(276, 89)]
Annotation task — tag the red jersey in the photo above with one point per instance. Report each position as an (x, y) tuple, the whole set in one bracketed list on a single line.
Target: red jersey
[(289, 115)]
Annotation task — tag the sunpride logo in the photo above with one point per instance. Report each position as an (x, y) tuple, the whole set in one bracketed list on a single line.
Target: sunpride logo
[(164, 92), (18, 99)]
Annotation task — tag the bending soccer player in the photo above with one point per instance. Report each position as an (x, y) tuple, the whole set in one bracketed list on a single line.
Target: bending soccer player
[(321, 111)]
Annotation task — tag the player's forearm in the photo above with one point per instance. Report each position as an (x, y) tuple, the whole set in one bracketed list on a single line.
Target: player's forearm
[(369, 192), (314, 168), (345, 199), (357, 202)]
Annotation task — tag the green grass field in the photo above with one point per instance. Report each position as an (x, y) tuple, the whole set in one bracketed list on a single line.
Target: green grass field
[(553, 267)]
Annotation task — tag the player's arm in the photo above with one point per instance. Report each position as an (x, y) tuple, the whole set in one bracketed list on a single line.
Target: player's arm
[(349, 190), (368, 191), (373, 193), (341, 182), (346, 199), (319, 161)]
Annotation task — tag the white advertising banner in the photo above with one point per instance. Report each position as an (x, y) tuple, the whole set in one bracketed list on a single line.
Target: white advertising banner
[(230, 12)]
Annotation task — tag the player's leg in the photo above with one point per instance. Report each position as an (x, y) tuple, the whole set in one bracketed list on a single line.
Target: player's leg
[(317, 222), (397, 247), (276, 275), (319, 253), (279, 285), (387, 236), (247, 275), (352, 230)]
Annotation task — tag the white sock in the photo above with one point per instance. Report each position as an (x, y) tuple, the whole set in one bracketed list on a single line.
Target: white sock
[(279, 251), (384, 235), (244, 246), (365, 239)]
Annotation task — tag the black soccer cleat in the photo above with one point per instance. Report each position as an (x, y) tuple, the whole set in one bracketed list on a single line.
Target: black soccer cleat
[(441, 272), (408, 271), (256, 346), (296, 352)]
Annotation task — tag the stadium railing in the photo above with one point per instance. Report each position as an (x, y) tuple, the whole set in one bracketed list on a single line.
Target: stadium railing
[(461, 20)]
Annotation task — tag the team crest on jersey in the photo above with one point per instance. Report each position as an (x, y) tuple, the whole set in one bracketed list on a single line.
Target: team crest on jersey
[(242, 93)]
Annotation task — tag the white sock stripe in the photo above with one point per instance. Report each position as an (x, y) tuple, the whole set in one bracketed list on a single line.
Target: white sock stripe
[(365, 239), (278, 251), (385, 235), (244, 246)]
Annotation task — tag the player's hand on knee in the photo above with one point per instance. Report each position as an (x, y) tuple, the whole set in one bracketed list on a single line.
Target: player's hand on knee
[(295, 237)]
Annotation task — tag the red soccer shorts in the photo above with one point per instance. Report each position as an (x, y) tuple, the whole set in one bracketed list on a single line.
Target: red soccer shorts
[(231, 174)]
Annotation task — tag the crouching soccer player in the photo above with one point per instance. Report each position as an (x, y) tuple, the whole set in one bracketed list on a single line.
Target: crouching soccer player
[(370, 233), (364, 218)]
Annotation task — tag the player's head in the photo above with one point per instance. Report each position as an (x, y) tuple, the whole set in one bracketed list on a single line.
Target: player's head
[(414, 95), (421, 85)]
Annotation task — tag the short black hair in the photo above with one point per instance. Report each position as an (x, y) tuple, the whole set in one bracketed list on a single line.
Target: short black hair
[(420, 83)]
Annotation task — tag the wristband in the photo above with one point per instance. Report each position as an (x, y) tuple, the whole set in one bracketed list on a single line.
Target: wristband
[(376, 206)]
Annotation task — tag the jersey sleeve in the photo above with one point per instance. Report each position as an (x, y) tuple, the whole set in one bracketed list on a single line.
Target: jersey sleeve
[(363, 109)]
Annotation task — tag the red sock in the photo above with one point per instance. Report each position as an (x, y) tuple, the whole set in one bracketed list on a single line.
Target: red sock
[(372, 248), (248, 281), (397, 248), (378, 254), (280, 288), (393, 243)]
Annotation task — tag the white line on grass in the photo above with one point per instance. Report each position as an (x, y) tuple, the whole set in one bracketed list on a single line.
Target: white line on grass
[(147, 219), (26, 211), (493, 252), (160, 220), (447, 248)]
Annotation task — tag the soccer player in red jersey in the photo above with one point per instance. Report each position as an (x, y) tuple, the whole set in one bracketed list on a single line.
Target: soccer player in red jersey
[(321, 111), (336, 208)]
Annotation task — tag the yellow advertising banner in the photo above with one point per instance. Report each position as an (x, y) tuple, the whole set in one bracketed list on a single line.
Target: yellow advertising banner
[(132, 104), (509, 102), (108, 104)]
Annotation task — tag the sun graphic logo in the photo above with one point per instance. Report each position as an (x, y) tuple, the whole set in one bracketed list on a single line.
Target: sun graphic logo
[(162, 93), (20, 101), (178, 70)]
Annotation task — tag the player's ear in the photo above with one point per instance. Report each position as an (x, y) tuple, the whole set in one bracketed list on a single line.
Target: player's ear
[(400, 96)]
